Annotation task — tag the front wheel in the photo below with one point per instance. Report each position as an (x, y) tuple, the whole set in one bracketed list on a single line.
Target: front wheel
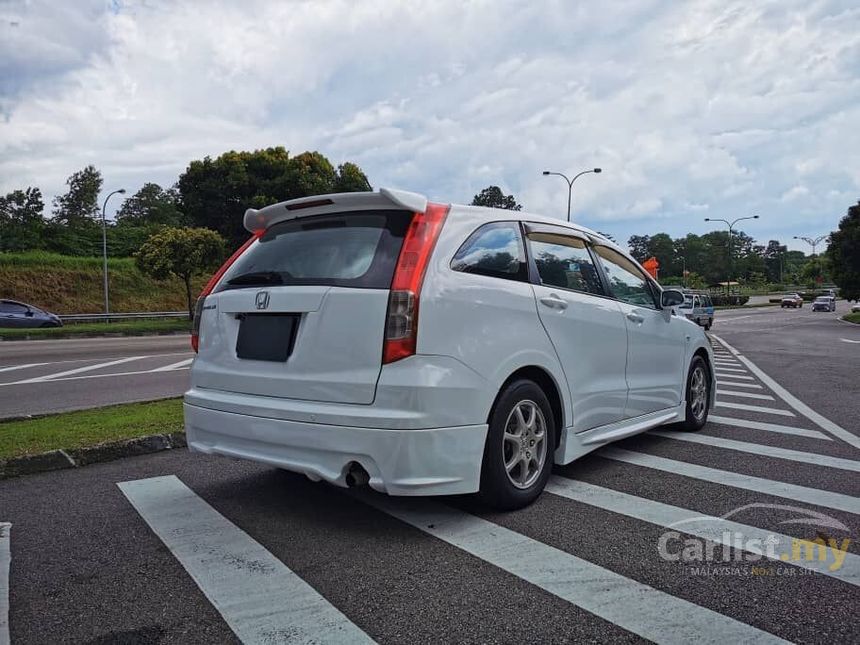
[(518, 454), (698, 396)]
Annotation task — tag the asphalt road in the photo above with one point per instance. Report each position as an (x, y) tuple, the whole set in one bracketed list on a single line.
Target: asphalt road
[(181, 548), (43, 376)]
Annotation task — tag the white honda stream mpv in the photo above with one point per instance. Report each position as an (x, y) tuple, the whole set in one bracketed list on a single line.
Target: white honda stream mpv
[(430, 349)]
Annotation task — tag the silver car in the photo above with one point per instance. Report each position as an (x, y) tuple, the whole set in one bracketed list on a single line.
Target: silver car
[(824, 303)]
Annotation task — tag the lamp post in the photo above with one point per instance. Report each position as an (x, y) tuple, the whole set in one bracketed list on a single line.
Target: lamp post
[(121, 191), (812, 241), (683, 270), (731, 225), (570, 182)]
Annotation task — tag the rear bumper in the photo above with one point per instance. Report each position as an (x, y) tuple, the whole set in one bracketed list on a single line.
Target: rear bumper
[(433, 461)]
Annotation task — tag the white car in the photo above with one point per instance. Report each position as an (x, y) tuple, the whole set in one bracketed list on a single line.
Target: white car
[(430, 349)]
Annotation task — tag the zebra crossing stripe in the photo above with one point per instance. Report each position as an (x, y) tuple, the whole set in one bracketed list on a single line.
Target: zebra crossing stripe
[(762, 451), (745, 395), (768, 427), (5, 561), (754, 408), (636, 607), (260, 598), (815, 496), (752, 386), (703, 526)]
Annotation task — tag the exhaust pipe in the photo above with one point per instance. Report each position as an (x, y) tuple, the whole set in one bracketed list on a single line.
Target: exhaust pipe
[(356, 476)]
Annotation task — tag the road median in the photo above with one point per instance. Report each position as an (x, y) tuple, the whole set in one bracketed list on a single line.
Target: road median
[(74, 439)]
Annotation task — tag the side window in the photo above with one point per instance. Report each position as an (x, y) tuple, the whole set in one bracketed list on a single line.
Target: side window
[(564, 261), (494, 250), (12, 308), (626, 281), (696, 303)]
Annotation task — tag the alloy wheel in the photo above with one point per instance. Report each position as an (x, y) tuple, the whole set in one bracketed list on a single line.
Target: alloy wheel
[(524, 447)]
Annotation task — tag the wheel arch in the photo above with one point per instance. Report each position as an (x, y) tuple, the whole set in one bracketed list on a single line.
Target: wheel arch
[(550, 387)]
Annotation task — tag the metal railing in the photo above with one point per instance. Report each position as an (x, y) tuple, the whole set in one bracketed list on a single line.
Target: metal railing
[(73, 318)]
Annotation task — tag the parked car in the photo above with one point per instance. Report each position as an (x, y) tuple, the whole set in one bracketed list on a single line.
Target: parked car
[(855, 308), (430, 349), (792, 300), (699, 308), (20, 314), (824, 303)]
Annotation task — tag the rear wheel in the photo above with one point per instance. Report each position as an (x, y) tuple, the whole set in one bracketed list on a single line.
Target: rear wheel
[(518, 453), (698, 395)]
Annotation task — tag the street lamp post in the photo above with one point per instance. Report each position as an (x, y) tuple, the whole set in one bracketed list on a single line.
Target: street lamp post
[(731, 225), (570, 182), (121, 191), (812, 241), (683, 270)]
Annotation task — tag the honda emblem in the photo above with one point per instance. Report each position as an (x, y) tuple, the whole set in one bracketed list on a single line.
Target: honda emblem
[(262, 299)]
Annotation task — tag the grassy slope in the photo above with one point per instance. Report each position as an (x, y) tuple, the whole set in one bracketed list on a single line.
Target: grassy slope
[(89, 427), (70, 285)]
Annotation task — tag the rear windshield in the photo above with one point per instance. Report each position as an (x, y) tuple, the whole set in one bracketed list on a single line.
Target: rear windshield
[(348, 250)]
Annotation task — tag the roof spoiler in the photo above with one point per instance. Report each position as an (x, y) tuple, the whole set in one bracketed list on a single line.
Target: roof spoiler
[(385, 199)]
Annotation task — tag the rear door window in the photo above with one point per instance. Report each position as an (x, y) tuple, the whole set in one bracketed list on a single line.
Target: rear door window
[(627, 282), (564, 261), (348, 249), (495, 250)]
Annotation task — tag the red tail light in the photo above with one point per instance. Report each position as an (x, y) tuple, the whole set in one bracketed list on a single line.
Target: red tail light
[(198, 307), (401, 327)]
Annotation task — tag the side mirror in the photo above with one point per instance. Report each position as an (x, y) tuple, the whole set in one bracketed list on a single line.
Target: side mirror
[(671, 298)]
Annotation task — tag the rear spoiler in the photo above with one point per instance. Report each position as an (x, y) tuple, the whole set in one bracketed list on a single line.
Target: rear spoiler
[(386, 199)]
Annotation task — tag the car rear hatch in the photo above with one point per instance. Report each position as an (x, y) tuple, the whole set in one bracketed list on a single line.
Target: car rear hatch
[(301, 314)]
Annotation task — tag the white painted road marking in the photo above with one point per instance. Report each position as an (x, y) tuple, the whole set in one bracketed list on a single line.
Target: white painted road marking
[(694, 523), (797, 493), (745, 395), (762, 451), (260, 598), (636, 607), (754, 408), (21, 367), (821, 421), (845, 340), (5, 561), (86, 368), (174, 366), (720, 368), (752, 386), (768, 427), (721, 377)]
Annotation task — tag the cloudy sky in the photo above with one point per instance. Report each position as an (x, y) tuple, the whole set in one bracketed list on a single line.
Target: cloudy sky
[(706, 108)]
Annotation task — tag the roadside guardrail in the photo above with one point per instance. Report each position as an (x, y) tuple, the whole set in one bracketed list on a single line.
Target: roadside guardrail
[(73, 318)]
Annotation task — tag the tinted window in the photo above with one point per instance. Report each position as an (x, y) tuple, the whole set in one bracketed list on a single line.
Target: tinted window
[(495, 250), (350, 250), (626, 281), (12, 308), (565, 262)]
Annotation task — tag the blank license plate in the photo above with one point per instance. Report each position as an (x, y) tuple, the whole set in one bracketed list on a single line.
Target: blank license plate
[(266, 337)]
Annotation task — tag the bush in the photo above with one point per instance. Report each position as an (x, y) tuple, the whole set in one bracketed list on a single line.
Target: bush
[(722, 300)]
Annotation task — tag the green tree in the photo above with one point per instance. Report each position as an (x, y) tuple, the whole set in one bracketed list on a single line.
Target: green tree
[(493, 197), (152, 204), (81, 201), (180, 252), (215, 193), (843, 253), (21, 222)]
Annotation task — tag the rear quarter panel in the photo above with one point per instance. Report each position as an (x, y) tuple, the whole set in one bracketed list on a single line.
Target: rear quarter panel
[(489, 324)]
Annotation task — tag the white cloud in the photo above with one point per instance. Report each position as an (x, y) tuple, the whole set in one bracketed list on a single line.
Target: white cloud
[(721, 105)]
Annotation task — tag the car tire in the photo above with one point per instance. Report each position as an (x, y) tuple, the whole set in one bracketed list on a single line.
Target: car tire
[(699, 384), (520, 421)]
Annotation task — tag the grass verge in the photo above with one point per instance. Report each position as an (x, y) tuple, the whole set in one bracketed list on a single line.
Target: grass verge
[(854, 318), (89, 427), (131, 327)]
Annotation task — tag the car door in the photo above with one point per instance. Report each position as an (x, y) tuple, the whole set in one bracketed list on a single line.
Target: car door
[(13, 314), (656, 345), (585, 326)]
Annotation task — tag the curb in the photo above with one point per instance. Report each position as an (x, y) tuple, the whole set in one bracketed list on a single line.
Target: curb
[(78, 457), (115, 334)]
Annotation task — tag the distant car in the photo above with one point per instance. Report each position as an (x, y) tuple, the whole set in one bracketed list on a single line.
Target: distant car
[(792, 300), (855, 308), (699, 308), (824, 303), (20, 314)]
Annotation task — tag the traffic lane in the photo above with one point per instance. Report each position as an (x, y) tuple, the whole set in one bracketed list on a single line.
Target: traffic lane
[(45, 351), (61, 396), (86, 566), (806, 353)]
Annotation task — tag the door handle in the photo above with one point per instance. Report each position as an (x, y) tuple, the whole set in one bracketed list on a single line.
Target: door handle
[(634, 317), (553, 302)]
